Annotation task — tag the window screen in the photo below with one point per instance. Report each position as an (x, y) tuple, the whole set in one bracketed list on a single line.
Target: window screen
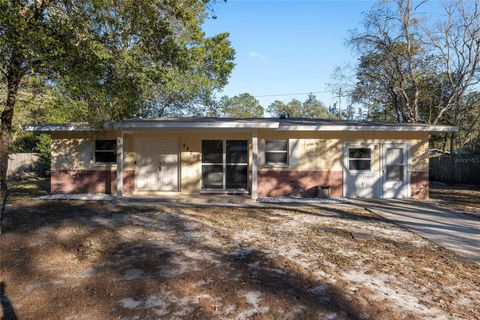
[(105, 151), (276, 152)]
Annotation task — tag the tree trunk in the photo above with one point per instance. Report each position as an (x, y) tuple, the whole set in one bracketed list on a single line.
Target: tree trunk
[(6, 118)]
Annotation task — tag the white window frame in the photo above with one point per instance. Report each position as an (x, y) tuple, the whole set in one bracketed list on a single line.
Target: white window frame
[(95, 152), (277, 164), (371, 148)]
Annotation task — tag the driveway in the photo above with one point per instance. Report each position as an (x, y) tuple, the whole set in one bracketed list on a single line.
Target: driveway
[(453, 230)]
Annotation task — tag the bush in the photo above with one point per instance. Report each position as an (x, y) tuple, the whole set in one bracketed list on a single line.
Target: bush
[(43, 147)]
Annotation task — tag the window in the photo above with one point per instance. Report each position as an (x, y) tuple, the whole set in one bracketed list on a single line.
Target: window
[(224, 164), (360, 159), (105, 151), (395, 164), (276, 152), (212, 164)]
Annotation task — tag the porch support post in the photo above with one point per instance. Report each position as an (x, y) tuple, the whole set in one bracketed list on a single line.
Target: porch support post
[(254, 164), (119, 163)]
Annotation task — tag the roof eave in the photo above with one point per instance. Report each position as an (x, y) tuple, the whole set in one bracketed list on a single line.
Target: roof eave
[(369, 128), (134, 125)]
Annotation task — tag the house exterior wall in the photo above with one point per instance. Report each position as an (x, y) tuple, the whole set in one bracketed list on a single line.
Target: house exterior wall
[(319, 161), (316, 158)]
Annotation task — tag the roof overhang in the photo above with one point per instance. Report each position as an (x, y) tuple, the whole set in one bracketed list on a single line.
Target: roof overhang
[(411, 128), (241, 125), (131, 125)]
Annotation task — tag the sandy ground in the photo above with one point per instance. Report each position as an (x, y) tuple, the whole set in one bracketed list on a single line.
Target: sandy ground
[(87, 260), (464, 198)]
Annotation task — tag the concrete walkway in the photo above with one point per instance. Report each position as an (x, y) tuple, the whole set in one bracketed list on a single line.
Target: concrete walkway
[(455, 231)]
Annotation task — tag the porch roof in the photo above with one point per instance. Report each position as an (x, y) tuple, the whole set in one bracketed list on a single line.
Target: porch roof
[(277, 124)]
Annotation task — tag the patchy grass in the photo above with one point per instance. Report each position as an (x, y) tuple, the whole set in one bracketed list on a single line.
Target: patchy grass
[(74, 259), (31, 188), (464, 198)]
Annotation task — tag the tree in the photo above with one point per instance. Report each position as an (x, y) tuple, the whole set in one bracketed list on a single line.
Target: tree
[(400, 53), (417, 71), (278, 108), (314, 108), (115, 59), (242, 105), (310, 108)]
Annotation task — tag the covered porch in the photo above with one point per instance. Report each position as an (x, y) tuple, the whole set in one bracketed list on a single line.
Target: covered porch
[(172, 164)]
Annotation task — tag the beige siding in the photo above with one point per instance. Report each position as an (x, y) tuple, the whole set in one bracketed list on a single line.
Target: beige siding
[(190, 153), (74, 150), (323, 151)]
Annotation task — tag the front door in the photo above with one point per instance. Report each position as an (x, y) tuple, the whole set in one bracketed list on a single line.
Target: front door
[(156, 166), (361, 178), (395, 170)]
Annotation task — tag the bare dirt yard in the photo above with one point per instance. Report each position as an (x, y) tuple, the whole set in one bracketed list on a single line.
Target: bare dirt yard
[(93, 260), (464, 198)]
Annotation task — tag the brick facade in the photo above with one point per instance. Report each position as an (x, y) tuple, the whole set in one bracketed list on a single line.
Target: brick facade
[(270, 183), (90, 181), (298, 183), (419, 184)]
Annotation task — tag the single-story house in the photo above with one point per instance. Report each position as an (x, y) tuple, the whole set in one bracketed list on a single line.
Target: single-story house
[(263, 157)]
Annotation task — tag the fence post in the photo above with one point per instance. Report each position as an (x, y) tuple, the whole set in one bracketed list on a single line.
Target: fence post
[(452, 158)]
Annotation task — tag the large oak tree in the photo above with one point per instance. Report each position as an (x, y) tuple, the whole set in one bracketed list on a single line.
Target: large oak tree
[(114, 58)]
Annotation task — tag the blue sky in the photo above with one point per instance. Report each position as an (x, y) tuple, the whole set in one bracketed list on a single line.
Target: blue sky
[(286, 46)]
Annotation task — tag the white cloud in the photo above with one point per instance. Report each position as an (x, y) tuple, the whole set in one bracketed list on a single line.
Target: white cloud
[(256, 55)]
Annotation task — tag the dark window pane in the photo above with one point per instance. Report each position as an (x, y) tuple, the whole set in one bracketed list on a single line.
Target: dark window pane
[(276, 157), (106, 157), (237, 151), (236, 176), (276, 145), (360, 153), (105, 144), (359, 164), (395, 173), (212, 176), (212, 151)]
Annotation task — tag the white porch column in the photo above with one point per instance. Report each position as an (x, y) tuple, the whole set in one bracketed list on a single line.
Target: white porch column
[(119, 163), (254, 164)]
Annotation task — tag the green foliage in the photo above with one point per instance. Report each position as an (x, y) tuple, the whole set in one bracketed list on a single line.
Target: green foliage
[(310, 108), (43, 147), (117, 59), (242, 105)]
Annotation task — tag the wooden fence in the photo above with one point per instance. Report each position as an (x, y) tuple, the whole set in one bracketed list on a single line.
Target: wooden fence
[(466, 169), (21, 163)]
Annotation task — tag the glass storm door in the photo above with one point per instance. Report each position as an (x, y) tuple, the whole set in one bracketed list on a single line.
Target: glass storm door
[(395, 173), (224, 164)]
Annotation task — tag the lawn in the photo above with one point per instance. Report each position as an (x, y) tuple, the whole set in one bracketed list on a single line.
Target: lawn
[(91, 260), (464, 198)]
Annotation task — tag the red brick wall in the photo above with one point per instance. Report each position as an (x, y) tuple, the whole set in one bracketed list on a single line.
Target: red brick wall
[(419, 184), (303, 183), (90, 181)]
